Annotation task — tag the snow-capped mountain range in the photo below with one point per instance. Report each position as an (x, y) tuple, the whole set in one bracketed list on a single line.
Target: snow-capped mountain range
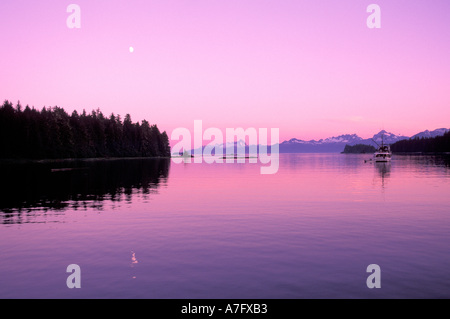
[(427, 134), (336, 144)]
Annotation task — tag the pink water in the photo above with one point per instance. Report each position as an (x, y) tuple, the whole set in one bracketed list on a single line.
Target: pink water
[(227, 231)]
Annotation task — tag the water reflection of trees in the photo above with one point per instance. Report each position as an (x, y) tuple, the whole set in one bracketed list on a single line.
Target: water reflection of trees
[(61, 185), (442, 160)]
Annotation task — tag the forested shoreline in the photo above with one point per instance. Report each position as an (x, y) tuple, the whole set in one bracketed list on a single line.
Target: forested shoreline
[(51, 133), (359, 149), (438, 144)]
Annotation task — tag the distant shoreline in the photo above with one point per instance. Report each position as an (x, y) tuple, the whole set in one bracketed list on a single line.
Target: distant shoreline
[(401, 153), (89, 159), (86, 159), (421, 153)]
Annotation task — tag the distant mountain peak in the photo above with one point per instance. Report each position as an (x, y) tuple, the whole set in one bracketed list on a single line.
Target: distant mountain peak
[(337, 143), (387, 137), (428, 134)]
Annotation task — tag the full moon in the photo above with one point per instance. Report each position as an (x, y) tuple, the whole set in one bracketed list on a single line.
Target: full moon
[(131, 49)]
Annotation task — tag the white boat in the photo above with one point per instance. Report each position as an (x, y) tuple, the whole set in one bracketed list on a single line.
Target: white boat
[(383, 153)]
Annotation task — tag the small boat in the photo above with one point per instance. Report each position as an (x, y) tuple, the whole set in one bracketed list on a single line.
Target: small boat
[(383, 153)]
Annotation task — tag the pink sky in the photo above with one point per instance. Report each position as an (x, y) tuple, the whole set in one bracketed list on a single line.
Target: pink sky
[(313, 69)]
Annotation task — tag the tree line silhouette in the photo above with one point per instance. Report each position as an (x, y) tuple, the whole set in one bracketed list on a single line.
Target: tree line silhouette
[(52, 133), (359, 149), (438, 144)]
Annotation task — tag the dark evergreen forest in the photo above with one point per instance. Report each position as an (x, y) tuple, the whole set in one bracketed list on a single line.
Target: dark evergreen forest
[(359, 149), (438, 144), (51, 133)]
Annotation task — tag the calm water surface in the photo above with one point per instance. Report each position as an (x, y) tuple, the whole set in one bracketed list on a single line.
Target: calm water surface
[(156, 229)]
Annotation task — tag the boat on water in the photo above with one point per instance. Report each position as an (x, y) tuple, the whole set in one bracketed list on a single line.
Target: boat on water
[(383, 153)]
